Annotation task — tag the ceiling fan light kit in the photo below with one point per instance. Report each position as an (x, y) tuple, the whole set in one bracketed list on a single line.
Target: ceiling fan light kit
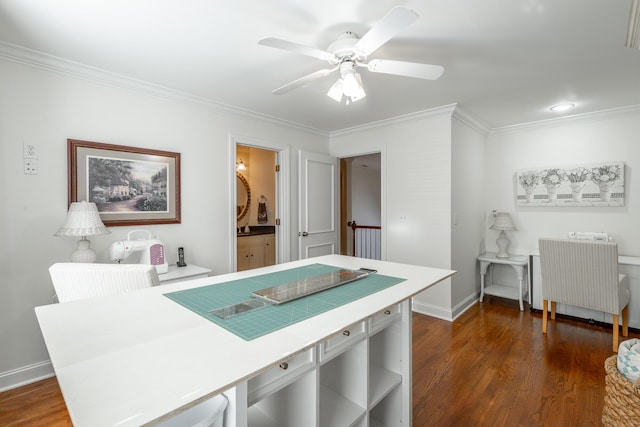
[(349, 52), (336, 91), (353, 86), (349, 84)]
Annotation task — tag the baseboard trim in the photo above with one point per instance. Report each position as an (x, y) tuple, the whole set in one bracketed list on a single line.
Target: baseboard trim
[(442, 312), (432, 310), (585, 320), (465, 305), (26, 375)]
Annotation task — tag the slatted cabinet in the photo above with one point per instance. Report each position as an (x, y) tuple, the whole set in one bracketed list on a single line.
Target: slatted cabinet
[(361, 376)]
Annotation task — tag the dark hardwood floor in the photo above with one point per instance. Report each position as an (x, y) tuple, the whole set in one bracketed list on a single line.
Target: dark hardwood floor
[(491, 367), (37, 404), (494, 367)]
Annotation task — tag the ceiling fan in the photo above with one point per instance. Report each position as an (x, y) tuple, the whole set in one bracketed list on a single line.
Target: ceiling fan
[(349, 52)]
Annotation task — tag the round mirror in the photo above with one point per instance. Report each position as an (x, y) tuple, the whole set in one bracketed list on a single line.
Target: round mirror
[(243, 196)]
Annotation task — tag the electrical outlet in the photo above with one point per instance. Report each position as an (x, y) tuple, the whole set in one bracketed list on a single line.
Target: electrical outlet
[(30, 167), (30, 151)]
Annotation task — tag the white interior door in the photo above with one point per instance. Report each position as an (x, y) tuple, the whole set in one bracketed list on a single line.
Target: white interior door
[(318, 198)]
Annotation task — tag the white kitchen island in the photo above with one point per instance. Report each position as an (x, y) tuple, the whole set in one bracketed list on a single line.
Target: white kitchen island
[(138, 358)]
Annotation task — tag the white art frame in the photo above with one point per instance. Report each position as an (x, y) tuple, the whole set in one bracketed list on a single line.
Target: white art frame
[(595, 184)]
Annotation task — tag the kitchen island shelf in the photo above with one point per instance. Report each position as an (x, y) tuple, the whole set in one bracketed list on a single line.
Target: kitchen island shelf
[(139, 358)]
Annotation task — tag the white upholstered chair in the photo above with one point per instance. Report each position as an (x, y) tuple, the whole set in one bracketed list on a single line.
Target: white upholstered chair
[(584, 274), (74, 281)]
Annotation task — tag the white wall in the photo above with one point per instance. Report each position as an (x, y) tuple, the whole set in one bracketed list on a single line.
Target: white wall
[(45, 108), (416, 192), (468, 204), (588, 139)]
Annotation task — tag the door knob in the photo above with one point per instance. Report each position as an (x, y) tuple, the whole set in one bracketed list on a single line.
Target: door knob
[(303, 234)]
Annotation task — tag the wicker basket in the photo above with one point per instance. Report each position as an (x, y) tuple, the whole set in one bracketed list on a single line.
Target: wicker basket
[(621, 399)]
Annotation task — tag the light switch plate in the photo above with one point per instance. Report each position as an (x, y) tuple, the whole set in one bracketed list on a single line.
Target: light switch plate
[(30, 151)]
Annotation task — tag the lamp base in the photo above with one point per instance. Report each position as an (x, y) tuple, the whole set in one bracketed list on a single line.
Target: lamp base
[(83, 253), (502, 243)]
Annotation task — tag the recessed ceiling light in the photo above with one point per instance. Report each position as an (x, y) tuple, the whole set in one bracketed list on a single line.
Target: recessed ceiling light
[(562, 107)]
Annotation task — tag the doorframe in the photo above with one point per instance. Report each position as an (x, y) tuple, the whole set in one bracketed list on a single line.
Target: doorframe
[(346, 151), (283, 204)]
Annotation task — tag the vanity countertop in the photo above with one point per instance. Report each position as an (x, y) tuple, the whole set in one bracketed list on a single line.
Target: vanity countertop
[(258, 230)]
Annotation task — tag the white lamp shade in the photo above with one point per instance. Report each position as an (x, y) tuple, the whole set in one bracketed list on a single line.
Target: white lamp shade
[(359, 92), (502, 222), (350, 85), (335, 91), (82, 219)]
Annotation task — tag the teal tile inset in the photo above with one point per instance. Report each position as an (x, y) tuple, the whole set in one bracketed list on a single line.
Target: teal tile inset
[(258, 322)]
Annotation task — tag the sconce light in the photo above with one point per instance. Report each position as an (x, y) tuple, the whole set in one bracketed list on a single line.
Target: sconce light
[(502, 222), (240, 166), (83, 220)]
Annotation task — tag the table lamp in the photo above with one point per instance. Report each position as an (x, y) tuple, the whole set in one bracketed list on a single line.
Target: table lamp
[(502, 222), (83, 220)]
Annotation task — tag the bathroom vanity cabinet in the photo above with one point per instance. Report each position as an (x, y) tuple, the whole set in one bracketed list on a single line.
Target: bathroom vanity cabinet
[(255, 251)]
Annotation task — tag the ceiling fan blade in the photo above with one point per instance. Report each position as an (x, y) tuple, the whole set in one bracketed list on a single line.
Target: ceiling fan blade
[(393, 22), (304, 80), (295, 47), (403, 68)]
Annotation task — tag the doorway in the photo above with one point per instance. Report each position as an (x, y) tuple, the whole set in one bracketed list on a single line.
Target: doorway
[(361, 206), (255, 210)]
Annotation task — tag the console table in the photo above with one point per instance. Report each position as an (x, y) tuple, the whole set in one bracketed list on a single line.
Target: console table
[(139, 358), (179, 274), (520, 264)]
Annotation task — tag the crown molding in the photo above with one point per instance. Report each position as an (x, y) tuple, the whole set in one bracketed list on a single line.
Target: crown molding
[(453, 110), (35, 59), (446, 110), (471, 121), (576, 118)]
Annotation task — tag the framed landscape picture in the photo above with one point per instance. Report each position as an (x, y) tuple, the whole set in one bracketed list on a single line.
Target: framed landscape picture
[(595, 184), (130, 186)]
